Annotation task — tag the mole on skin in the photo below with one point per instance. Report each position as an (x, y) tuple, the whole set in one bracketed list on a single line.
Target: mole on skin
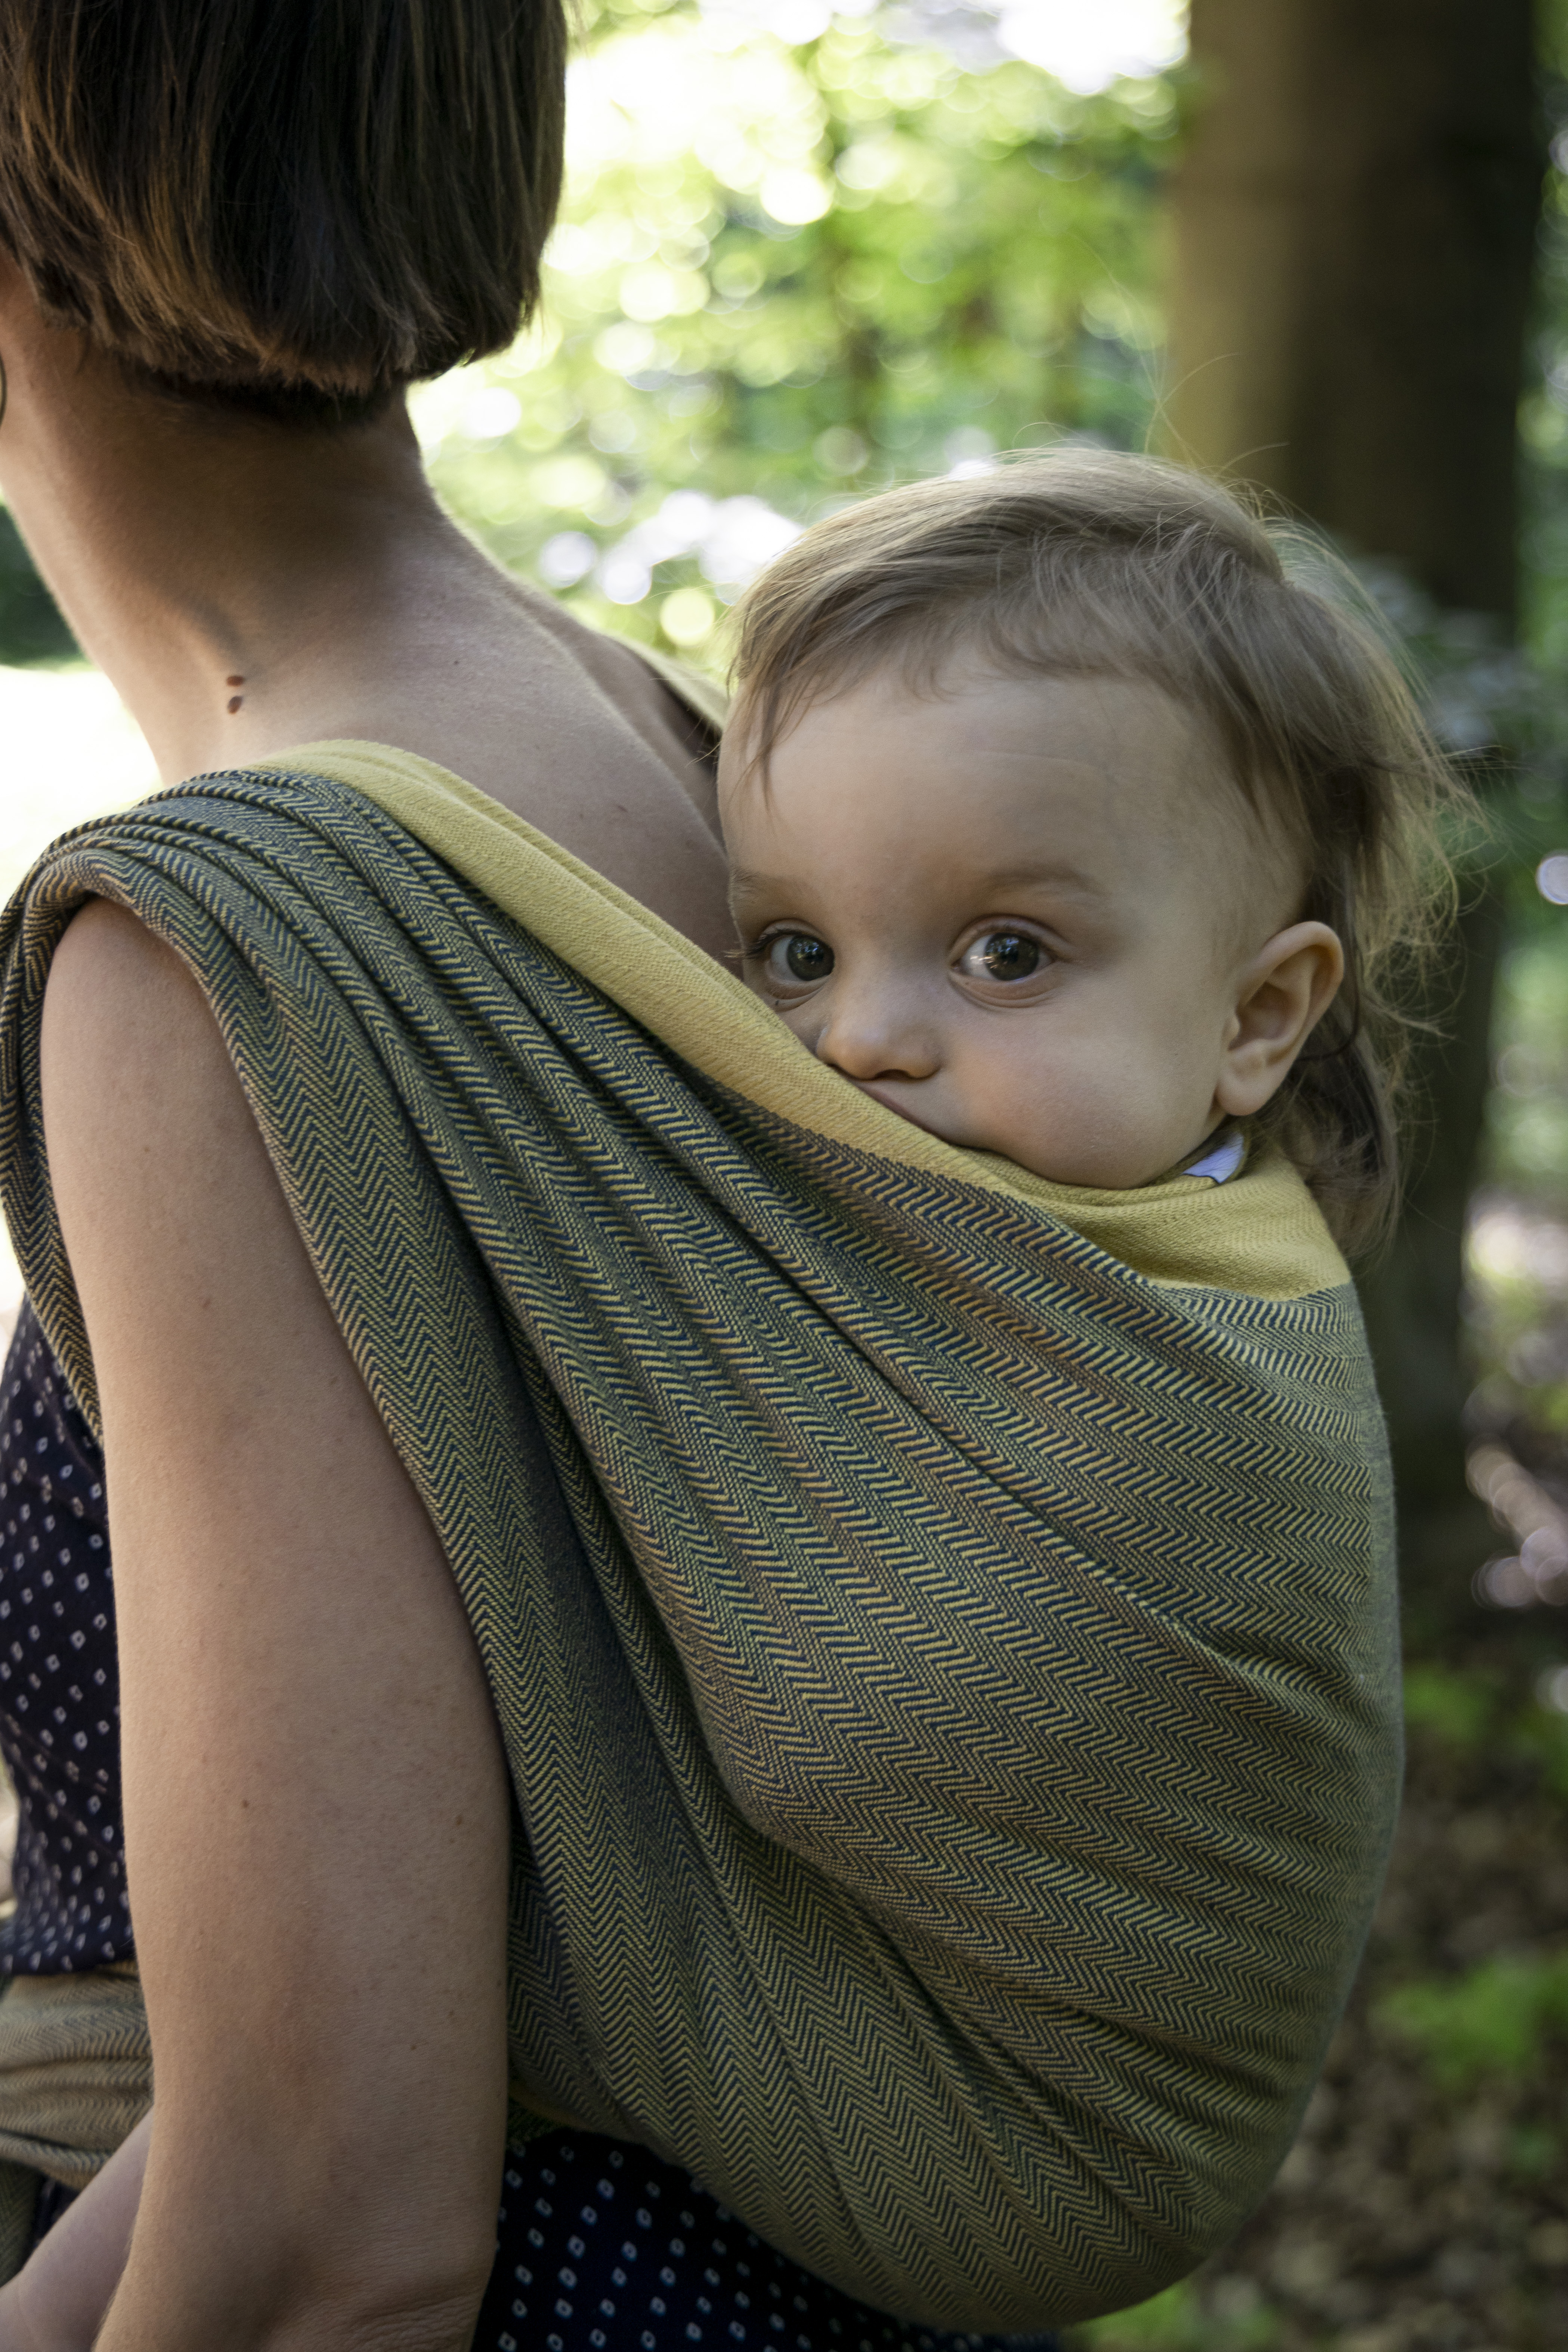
[(234, 699)]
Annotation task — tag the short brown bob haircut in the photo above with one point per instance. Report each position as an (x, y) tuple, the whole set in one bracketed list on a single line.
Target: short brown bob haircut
[(1087, 562), (293, 205)]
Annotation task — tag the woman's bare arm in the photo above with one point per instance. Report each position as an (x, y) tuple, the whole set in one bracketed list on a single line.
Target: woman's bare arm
[(57, 2302), (315, 1799)]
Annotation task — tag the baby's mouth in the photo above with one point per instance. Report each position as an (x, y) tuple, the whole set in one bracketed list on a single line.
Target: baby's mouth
[(890, 1102)]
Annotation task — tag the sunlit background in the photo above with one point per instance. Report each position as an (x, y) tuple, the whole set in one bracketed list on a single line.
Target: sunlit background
[(805, 253)]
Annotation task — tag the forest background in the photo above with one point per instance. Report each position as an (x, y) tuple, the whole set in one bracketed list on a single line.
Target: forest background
[(810, 251)]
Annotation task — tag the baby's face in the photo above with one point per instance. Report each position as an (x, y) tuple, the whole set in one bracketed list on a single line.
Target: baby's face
[(1029, 914)]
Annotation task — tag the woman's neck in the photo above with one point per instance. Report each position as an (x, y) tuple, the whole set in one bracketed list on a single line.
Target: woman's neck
[(244, 584), (249, 587)]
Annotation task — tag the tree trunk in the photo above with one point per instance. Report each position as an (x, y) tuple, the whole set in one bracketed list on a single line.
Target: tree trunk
[(1354, 226)]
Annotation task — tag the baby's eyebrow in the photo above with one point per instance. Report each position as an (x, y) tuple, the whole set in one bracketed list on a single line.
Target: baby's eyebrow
[(745, 884), (995, 882), (1062, 876)]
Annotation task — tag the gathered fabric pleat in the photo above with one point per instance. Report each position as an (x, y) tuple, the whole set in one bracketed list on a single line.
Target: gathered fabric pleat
[(948, 1677)]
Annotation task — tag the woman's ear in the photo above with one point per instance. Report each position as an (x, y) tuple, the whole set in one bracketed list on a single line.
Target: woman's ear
[(1284, 994)]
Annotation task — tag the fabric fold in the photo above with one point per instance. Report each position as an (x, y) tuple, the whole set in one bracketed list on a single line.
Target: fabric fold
[(943, 1642), (76, 2079)]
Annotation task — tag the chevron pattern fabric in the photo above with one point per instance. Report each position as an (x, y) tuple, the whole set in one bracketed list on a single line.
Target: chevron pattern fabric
[(75, 2081), (949, 1678)]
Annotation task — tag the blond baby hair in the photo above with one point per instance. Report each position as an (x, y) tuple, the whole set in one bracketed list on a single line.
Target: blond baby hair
[(1089, 563)]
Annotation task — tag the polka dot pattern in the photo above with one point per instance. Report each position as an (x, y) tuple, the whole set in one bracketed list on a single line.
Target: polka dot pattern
[(60, 1683), (601, 2248)]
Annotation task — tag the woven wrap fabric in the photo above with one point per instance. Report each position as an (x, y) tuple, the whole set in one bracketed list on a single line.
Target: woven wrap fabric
[(75, 2081), (947, 1675)]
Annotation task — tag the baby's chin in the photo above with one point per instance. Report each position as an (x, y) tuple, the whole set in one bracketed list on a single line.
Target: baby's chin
[(1105, 1164), (1130, 1168), (1078, 1173)]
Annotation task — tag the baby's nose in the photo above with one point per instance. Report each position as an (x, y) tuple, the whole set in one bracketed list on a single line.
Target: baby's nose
[(874, 1035)]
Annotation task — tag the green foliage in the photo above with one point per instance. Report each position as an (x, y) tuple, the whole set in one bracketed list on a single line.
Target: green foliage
[(1539, 1736), (786, 273), (1518, 1307), (1456, 1707), (1170, 2323), (1535, 2152), (1490, 2023), (1470, 1711), (1228, 2318), (1543, 416), (1526, 1138), (1518, 1304), (31, 626)]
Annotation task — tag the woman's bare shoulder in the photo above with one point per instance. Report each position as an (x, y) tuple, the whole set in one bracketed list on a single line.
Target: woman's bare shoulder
[(115, 990), (636, 686), (567, 729)]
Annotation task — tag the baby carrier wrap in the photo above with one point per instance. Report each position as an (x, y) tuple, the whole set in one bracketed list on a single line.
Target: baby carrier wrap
[(941, 1624)]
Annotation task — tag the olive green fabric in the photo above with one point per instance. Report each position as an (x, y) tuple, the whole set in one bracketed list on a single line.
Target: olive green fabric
[(947, 1675), (76, 2079)]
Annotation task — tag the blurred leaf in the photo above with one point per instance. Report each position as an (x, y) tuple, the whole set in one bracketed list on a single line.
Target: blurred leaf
[(1527, 1116), (791, 270), (32, 628), (1539, 1734), (1184, 2319), (1456, 1707), (1171, 2322), (1534, 2152), (1493, 2021)]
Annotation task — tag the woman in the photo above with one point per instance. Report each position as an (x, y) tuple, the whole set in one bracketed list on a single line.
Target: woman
[(227, 236), (205, 446)]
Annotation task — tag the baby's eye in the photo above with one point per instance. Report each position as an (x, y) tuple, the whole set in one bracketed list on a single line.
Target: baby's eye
[(796, 959), (1002, 955)]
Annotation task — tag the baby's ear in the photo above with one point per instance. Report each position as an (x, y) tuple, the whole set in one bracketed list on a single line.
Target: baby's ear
[(1284, 994)]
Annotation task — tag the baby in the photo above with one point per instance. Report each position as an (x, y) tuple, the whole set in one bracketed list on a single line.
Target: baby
[(1065, 824)]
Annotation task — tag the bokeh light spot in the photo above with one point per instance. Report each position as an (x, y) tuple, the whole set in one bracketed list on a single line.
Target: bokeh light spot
[(491, 414), (840, 450), (794, 196), (567, 558), (687, 617)]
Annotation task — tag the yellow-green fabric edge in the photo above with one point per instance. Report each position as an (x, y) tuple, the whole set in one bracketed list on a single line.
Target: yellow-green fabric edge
[(1261, 1233)]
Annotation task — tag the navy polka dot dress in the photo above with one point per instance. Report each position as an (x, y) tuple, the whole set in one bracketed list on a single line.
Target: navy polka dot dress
[(600, 2247), (603, 2247), (60, 1690)]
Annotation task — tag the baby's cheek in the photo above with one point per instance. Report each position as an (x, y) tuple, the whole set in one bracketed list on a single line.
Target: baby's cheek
[(1174, 1081), (1100, 1108), (794, 1017), (1056, 1104)]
